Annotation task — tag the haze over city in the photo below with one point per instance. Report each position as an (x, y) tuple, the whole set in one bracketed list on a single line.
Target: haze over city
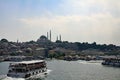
[(76, 20)]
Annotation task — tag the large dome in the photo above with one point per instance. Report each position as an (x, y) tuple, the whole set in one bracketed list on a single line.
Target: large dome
[(43, 37)]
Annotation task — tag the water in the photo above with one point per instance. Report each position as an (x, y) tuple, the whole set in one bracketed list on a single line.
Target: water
[(73, 70)]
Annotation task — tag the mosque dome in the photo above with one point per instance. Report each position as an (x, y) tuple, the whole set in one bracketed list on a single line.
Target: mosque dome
[(42, 39)]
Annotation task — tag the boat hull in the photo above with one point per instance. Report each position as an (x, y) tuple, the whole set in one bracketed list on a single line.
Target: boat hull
[(31, 74)]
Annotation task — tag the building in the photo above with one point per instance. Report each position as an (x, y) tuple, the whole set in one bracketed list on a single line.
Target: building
[(43, 39)]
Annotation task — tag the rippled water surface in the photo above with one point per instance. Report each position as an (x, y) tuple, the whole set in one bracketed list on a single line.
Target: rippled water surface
[(73, 70)]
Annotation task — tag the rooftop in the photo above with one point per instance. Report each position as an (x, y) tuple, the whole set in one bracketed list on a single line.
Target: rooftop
[(28, 62)]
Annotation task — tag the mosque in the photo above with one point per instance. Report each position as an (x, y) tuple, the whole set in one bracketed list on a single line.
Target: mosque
[(44, 39)]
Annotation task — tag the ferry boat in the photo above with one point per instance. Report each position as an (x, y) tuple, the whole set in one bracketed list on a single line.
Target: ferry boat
[(27, 69)]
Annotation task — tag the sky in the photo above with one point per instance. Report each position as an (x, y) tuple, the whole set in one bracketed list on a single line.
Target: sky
[(76, 20)]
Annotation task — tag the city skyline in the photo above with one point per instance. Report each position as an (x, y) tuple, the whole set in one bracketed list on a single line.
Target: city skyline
[(75, 20)]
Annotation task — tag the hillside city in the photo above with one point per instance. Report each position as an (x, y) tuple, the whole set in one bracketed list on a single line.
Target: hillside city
[(45, 48)]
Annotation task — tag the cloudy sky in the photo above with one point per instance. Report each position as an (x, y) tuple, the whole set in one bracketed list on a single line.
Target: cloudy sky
[(76, 20)]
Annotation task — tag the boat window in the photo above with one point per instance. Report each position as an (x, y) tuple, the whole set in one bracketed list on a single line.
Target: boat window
[(33, 73), (10, 70), (20, 70)]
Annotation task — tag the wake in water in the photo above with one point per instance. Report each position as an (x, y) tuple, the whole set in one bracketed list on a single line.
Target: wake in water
[(38, 77), (90, 62)]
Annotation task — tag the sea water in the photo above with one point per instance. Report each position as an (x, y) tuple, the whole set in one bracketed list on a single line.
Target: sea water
[(72, 70)]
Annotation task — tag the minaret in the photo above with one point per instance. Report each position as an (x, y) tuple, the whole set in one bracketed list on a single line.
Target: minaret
[(57, 38), (60, 37), (50, 35), (17, 40), (47, 36)]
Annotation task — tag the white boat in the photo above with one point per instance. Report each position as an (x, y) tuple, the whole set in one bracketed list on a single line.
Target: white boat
[(27, 69)]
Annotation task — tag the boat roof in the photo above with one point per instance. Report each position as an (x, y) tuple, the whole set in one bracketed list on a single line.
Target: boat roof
[(28, 62)]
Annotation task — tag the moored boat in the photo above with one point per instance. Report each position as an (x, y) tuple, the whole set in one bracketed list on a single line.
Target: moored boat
[(112, 62), (27, 69)]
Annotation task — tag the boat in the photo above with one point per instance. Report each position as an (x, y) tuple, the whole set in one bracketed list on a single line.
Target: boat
[(1, 59), (27, 69), (115, 62)]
